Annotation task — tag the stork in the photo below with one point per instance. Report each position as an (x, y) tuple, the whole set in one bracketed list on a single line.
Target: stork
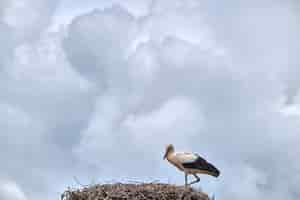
[(190, 163)]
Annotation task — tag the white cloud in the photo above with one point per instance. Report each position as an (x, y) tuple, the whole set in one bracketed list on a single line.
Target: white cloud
[(40, 101), (124, 80), (175, 121), (28, 17), (238, 100), (11, 191)]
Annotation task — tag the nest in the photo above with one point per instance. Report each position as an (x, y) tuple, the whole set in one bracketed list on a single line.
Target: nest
[(143, 191)]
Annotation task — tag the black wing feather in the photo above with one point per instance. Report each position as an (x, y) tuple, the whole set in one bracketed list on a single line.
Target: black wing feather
[(202, 164)]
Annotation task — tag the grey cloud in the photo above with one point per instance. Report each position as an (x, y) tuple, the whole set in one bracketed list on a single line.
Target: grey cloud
[(7, 43), (101, 55), (241, 119), (101, 100)]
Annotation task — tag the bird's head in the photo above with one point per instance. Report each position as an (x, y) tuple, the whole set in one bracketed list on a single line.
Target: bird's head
[(169, 149)]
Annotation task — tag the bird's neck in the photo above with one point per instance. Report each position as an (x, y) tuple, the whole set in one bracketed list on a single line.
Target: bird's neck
[(169, 155)]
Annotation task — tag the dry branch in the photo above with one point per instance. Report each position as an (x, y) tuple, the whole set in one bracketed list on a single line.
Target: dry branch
[(141, 191)]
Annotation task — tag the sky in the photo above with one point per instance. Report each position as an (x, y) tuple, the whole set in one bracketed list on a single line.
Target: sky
[(94, 90)]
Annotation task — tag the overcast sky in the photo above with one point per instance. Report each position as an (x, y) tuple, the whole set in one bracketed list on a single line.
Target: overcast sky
[(97, 88)]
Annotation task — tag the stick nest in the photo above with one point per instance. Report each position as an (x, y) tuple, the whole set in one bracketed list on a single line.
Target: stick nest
[(143, 191)]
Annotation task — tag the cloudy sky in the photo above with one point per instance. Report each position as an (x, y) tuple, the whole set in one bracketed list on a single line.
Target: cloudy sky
[(95, 89)]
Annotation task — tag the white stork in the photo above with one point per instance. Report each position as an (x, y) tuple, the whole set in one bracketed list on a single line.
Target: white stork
[(190, 163)]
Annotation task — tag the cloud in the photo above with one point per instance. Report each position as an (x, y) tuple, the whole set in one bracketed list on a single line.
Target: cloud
[(238, 100), (116, 29), (21, 21), (28, 17), (40, 103), (7, 42), (101, 98), (11, 191)]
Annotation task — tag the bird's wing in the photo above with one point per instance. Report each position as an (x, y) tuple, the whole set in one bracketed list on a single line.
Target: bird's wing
[(201, 164), (185, 157)]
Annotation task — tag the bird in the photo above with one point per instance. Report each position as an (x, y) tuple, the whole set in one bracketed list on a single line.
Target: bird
[(190, 164)]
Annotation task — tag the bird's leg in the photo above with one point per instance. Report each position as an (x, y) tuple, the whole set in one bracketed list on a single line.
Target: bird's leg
[(186, 179), (195, 181)]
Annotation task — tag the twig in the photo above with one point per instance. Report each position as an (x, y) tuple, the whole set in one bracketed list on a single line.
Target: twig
[(78, 182)]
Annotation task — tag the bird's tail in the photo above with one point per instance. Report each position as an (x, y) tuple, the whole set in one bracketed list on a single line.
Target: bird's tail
[(213, 170)]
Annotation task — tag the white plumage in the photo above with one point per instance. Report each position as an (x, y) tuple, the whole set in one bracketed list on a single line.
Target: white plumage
[(185, 156), (190, 163)]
